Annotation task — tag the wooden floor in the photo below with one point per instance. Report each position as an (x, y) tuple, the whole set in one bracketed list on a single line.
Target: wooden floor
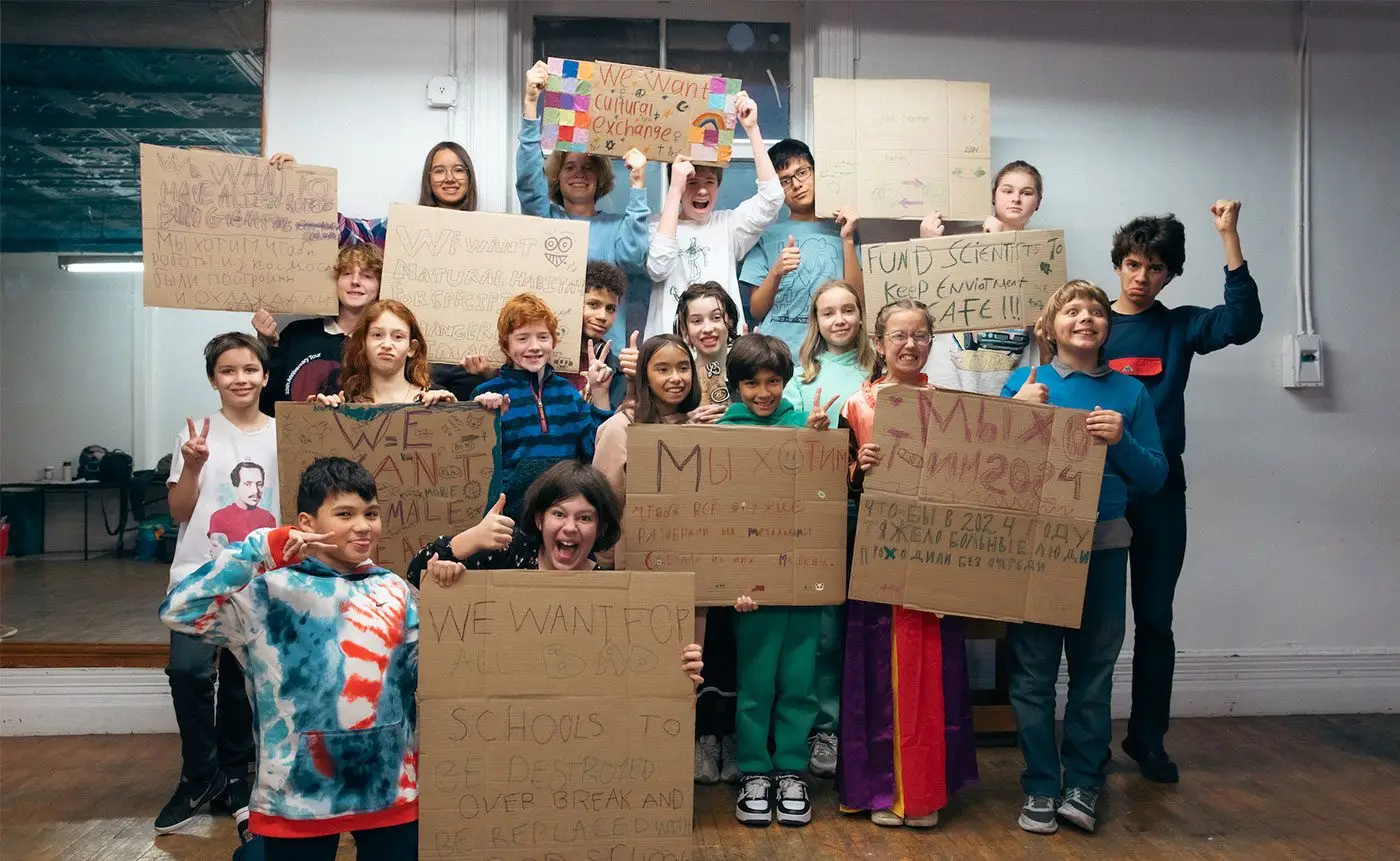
[(1253, 788), (102, 600)]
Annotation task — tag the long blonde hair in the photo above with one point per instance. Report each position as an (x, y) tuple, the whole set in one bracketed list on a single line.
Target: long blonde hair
[(882, 318), (1068, 292), (809, 357)]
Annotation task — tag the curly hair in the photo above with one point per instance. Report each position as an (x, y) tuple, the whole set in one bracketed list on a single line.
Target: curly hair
[(354, 360), (1160, 236), (602, 173), (365, 255), (605, 276), (520, 310)]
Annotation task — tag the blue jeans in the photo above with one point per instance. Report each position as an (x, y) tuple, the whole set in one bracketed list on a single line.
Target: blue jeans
[(1091, 650), (216, 730)]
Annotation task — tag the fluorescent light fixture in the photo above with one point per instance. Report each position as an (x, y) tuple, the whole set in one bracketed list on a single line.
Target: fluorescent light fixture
[(80, 264)]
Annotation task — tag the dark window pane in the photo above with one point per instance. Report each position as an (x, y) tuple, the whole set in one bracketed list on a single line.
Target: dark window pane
[(636, 41), (759, 53)]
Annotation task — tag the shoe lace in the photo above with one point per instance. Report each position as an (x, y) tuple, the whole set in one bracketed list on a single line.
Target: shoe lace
[(790, 786), (709, 747), (755, 787), (1081, 794), (825, 742), (1041, 803)]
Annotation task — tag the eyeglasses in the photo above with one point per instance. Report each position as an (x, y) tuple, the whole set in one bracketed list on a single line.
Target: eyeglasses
[(440, 173), (899, 339), (802, 174)]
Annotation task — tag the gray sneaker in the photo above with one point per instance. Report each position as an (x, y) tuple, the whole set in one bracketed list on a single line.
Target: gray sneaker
[(1038, 815), (1078, 807), (707, 759), (729, 760), (823, 761)]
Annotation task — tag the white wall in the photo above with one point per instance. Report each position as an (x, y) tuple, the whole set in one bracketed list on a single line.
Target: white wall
[(1151, 108)]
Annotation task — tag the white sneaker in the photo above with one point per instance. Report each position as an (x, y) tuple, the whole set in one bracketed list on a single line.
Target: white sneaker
[(729, 760), (886, 818), (824, 758), (922, 821), (707, 759), (755, 804), (794, 807)]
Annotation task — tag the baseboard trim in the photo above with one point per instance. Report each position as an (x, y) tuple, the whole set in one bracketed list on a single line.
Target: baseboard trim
[(118, 700)]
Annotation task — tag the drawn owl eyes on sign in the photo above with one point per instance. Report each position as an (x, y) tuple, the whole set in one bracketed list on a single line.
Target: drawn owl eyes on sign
[(557, 248)]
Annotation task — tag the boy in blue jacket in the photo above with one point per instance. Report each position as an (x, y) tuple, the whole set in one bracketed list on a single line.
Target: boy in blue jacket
[(1074, 326), (330, 642), (1155, 344)]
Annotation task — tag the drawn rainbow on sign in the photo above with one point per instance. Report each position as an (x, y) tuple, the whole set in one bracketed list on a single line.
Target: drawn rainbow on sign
[(709, 120)]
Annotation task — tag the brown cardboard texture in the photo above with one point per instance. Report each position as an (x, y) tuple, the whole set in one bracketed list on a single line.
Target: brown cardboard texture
[(970, 282), (554, 720), (903, 148), (233, 233), (432, 466), (980, 507), (753, 511), (457, 269)]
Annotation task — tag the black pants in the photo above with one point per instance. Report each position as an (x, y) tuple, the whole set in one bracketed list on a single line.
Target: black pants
[(394, 843), (714, 706), (1155, 559), (216, 730)]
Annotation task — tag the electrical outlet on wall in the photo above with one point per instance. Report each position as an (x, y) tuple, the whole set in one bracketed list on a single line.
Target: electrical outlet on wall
[(442, 91)]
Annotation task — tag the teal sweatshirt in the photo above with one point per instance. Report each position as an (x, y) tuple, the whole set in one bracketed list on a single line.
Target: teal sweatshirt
[(838, 375), (1136, 461), (784, 416)]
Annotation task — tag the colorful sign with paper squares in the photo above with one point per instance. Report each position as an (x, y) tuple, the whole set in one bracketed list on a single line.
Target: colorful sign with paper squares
[(609, 108)]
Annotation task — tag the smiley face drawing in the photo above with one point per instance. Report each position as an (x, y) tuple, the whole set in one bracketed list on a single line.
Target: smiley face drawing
[(557, 248)]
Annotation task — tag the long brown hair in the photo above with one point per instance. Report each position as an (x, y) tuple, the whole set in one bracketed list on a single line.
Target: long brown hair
[(425, 191), (643, 403), (883, 318), (810, 356), (354, 359)]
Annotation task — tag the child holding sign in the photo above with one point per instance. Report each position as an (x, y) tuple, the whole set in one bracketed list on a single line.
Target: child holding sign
[(693, 243), (223, 482), (543, 418), (385, 361), (981, 361), (836, 358), (1156, 344), (906, 711), (797, 255), (777, 646), (331, 645), (1075, 325)]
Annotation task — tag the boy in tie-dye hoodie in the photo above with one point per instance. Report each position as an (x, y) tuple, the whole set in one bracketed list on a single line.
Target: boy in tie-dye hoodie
[(331, 646)]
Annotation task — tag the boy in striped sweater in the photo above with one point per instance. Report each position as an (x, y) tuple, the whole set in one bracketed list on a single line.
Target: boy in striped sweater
[(330, 644), (544, 419)]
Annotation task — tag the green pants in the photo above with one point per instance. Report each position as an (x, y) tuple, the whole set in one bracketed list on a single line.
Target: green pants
[(777, 652), (831, 653)]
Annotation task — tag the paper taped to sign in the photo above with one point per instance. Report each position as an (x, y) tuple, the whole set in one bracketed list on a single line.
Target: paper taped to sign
[(753, 511), (971, 282), (433, 467), (554, 719), (457, 269), (225, 232), (903, 148), (608, 108), (981, 507)]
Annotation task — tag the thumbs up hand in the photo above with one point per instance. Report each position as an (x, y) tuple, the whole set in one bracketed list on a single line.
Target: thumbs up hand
[(1032, 391), (494, 532), (788, 259), (627, 359)]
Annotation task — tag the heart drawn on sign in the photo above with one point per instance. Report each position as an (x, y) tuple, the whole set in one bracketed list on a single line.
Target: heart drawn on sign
[(896, 400), (556, 249)]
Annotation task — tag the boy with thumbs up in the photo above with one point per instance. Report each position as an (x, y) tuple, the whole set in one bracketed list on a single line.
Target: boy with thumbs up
[(1155, 344), (798, 254)]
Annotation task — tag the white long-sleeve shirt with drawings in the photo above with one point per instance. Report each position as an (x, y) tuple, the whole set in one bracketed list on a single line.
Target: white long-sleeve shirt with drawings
[(707, 252)]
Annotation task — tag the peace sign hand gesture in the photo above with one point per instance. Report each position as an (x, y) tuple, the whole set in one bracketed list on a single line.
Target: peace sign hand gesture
[(817, 419), (195, 450), (599, 372)]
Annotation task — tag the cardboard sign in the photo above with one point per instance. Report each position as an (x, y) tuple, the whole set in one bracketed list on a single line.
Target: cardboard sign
[(433, 466), (980, 507), (554, 719), (901, 149), (609, 108), (972, 282), (233, 233), (456, 270), (753, 511)]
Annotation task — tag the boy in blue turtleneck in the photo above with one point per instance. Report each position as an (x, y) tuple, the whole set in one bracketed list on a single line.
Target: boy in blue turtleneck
[(1065, 784), (1155, 344), (777, 646)]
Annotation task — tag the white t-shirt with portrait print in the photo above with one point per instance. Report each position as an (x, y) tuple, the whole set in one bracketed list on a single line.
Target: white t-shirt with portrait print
[(237, 491)]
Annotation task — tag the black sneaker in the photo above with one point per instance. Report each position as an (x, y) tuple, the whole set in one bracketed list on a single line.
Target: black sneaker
[(235, 797), (184, 805), (755, 804), (1078, 807), (794, 807), (1153, 762), (1038, 815)]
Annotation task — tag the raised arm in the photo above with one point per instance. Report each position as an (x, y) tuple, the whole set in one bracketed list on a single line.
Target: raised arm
[(1240, 318), (531, 187), (214, 603)]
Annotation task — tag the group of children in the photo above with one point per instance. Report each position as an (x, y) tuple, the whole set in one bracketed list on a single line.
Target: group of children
[(874, 695)]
